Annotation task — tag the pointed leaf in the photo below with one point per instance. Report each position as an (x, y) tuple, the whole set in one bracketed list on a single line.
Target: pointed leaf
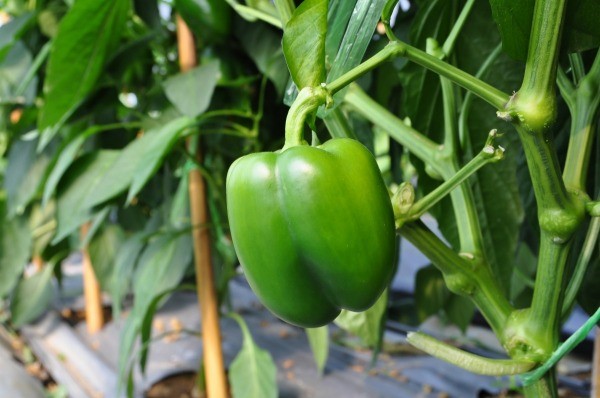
[(125, 260), (136, 163), (367, 324), (87, 37), (12, 31), (431, 292), (192, 91), (80, 179), (32, 296), (15, 244), (318, 339), (161, 267), (304, 43), (103, 250), (252, 373), (24, 174)]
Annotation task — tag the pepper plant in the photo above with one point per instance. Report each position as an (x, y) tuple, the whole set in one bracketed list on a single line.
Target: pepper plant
[(558, 43), (481, 114)]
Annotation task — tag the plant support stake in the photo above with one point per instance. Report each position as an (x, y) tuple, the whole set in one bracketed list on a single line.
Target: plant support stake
[(94, 317), (216, 385)]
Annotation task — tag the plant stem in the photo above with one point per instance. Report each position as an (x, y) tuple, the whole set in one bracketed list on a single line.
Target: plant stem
[(545, 387), (488, 93), (488, 155), (388, 52), (589, 245), (584, 105), (544, 46), (458, 25), (415, 142), (546, 305), (466, 360), (462, 276)]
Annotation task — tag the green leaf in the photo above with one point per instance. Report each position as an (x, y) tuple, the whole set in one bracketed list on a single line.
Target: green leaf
[(161, 267), (252, 373), (87, 37), (206, 18), (318, 339), (146, 328), (304, 43), (514, 22), (148, 12), (42, 224), (12, 31), (460, 311), (24, 173), (514, 19), (136, 163), (32, 296), (13, 70), (192, 91), (338, 15), (431, 292), (81, 178), (358, 35), (15, 244), (367, 324), (65, 159), (125, 259), (264, 47), (103, 249), (154, 150), (421, 93)]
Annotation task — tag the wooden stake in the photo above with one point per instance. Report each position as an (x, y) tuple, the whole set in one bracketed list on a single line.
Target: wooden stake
[(94, 316), (596, 366), (216, 384)]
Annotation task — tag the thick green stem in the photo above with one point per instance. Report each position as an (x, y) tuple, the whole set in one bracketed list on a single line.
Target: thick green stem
[(545, 387), (534, 105), (462, 276), (546, 305), (544, 46), (559, 212)]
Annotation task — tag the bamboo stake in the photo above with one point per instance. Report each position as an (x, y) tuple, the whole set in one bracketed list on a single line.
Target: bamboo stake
[(94, 316), (216, 385)]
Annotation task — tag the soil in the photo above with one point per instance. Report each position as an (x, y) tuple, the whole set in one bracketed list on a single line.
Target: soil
[(180, 385)]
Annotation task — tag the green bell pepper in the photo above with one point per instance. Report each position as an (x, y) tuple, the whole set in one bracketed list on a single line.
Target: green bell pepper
[(313, 228)]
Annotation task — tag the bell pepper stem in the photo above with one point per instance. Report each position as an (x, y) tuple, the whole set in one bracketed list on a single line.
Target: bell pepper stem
[(308, 101)]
